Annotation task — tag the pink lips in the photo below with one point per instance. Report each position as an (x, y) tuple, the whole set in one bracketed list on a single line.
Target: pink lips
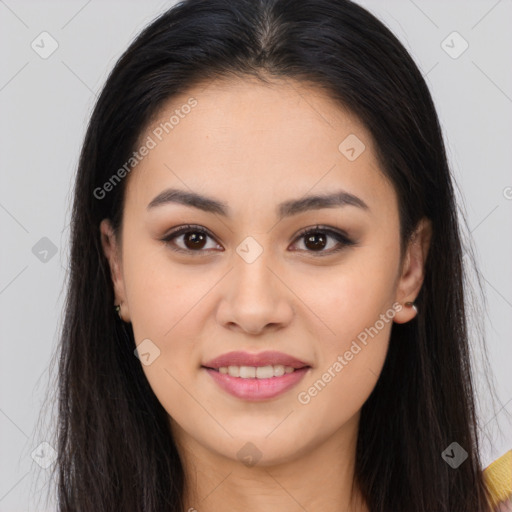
[(261, 359), (256, 389)]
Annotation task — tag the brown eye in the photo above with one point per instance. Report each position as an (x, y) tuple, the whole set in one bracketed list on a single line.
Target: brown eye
[(317, 239), (193, 239)]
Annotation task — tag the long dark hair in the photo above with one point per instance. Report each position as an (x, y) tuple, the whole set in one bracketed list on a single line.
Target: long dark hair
[(115, 449)]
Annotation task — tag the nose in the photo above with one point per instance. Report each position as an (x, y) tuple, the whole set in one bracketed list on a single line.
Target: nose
[(256, 298)]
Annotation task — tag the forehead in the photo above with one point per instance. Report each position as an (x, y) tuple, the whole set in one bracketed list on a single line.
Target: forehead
[(257, 141)]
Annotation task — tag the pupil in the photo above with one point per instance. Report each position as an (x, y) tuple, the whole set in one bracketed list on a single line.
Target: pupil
[(195, 239), (316, 245)]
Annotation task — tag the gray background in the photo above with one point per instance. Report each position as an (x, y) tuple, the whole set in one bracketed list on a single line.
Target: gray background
[(45, 105)]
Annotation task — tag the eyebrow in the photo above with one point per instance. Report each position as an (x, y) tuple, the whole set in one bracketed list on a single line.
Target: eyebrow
[(284, 209)]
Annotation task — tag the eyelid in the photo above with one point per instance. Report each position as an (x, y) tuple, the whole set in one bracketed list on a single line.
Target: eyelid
[(324, 229)]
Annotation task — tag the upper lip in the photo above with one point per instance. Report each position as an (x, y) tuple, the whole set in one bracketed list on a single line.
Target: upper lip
[(268, 358)]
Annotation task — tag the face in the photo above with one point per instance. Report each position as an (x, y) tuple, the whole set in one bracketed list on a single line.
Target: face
[(244, 276)]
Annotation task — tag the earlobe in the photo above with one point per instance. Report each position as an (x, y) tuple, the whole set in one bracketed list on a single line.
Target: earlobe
[(413, 271), (408, 311), (112, 252)]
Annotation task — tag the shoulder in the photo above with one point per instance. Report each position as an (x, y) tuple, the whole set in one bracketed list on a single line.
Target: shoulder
[(498, 479)]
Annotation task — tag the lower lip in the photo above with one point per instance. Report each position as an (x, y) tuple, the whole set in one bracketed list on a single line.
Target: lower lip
[(257, 389)]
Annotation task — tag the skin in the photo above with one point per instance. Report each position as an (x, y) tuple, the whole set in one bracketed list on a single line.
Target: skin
[(253, 146)]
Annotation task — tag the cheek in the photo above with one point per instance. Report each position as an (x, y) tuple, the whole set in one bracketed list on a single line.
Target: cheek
[(160, 294), (336, 393), (348, 298), (164, 303), (348, 369), (356, 308)]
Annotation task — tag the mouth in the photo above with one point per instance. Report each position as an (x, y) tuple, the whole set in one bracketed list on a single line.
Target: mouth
[(256, 376)]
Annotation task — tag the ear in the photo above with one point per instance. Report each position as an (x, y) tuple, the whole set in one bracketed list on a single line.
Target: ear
[(112, 251), (413, 269)]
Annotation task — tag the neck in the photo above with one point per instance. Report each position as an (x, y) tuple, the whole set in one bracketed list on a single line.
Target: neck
[(320, 478)]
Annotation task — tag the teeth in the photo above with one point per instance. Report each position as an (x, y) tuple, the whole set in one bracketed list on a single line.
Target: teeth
[(259, 372)]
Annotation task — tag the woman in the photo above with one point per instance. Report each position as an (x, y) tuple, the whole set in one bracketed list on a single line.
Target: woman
[(264, 196)]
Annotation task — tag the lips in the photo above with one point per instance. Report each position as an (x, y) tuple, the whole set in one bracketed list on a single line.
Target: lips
[(254, 390), (268, 358)]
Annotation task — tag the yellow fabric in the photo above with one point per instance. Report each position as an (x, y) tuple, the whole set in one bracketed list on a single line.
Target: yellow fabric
[(498, 478)]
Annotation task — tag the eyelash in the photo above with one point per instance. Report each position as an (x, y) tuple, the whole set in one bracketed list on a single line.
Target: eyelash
[(340, 237)]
